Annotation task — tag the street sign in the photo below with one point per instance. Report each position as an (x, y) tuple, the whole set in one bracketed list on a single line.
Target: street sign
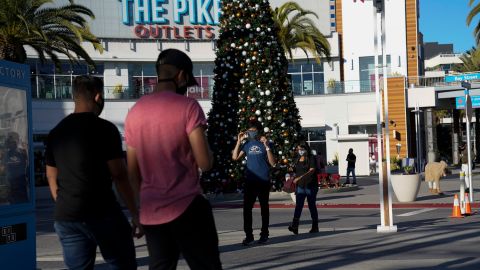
[(468, 108), (460, 102), (462, 77), (466, 85)]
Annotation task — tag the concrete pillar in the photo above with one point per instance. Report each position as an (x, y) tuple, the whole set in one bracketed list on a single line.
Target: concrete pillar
[(430, 136)]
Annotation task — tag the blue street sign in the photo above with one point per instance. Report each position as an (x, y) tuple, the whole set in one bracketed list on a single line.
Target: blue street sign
[(462, 77), (460, 102)]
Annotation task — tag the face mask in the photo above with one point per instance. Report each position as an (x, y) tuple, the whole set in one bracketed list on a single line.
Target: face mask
[(252, 134), (301, 152), (181, 90), (100, 104)]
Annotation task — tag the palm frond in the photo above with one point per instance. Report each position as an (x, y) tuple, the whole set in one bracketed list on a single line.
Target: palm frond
[(50, 31), (297, 30)]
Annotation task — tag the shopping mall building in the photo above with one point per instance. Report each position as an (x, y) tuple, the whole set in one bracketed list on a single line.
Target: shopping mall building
[(133, 32)]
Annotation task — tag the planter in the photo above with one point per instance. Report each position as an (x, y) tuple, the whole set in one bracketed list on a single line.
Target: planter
[(406, 186), (117, 95), (331, 169), (330, 90)]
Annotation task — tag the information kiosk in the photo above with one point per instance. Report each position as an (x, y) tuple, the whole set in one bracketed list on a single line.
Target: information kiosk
[(17, 190)]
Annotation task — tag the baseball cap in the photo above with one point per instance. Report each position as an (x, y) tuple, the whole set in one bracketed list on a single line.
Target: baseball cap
[(179, 60)]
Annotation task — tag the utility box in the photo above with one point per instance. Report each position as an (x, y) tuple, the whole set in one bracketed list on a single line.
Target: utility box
[(17, 187)]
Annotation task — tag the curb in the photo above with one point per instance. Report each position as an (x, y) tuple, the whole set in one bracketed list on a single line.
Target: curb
[(336, 206)]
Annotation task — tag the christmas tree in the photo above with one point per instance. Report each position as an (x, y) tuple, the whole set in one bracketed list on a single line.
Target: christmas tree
[(251, 84)]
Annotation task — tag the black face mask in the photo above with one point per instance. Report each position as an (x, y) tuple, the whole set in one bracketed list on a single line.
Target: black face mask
[(181, 90), (100, 104)]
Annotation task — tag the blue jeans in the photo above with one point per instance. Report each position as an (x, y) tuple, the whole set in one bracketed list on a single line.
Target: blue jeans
[(311, 196), (112, 234), (351, 170)]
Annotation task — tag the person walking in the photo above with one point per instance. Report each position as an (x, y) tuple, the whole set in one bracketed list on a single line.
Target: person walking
[(83, 154), (166, 147), (373, 164), (306, 187), (351, 160), (257, 178)]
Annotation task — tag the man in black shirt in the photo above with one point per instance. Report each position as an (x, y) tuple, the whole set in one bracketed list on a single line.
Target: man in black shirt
[(351, 159), (83, 155)]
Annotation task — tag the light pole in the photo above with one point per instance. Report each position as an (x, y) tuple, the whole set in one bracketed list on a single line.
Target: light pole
[(418, 135), (386, 215), (468, 115)]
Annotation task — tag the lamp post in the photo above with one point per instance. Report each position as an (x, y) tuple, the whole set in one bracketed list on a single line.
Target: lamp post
[(418, 135), (468, 114), (385, 188)]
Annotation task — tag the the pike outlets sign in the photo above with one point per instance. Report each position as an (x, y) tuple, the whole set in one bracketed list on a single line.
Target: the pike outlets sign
[(153, 18)]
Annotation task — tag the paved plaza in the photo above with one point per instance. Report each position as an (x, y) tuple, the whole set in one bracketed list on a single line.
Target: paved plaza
[(426, 239)]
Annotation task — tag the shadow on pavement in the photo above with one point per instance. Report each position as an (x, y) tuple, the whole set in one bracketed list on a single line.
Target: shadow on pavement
[(377, 247)]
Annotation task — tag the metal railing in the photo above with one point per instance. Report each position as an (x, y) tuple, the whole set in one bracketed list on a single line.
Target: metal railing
[(205, 93), (429, 82)]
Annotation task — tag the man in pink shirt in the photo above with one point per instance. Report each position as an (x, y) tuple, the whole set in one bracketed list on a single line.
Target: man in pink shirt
[(166, 145)]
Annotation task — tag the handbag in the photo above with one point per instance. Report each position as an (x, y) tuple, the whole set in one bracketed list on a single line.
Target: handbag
[(288, 184)]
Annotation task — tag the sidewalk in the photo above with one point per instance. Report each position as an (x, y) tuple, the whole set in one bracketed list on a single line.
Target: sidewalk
[(366, 196)]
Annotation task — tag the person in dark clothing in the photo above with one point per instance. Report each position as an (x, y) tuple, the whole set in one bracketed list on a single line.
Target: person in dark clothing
[(83, 155), (257, 178), (351, 159), (306, 187)]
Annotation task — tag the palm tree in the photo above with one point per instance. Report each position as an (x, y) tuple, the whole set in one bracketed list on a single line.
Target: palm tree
[(298, 31), (473, 13), (470, 61), (50, 31)]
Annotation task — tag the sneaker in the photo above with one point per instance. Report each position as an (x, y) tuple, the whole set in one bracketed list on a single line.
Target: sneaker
[(262, 240), (247, 241), (294, 230)]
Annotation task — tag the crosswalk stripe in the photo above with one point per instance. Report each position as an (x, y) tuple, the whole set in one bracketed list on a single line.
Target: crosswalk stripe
[(416, 212)]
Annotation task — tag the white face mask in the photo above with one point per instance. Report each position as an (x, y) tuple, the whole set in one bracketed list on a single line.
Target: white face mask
[(301, 152)]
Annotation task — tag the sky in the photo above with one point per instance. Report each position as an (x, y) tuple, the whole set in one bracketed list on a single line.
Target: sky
[(444, 21)]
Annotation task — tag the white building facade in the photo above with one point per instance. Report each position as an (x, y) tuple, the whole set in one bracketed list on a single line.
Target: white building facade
[(133, 33)]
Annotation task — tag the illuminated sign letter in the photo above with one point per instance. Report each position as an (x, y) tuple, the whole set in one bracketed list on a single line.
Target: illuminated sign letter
[(217, 11), (142, 7), (180, 9), (204, 16), (157, 11), (193, 13), (125, 11)]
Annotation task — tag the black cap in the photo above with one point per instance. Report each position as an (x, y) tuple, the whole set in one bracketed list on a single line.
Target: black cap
[(179, 60)]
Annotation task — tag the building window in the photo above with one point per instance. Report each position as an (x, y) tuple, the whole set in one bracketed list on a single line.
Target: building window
[(50, 83), (204, 75), (371, 130), (316, 139), (367, 72), (143, 79), (307, 78)]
